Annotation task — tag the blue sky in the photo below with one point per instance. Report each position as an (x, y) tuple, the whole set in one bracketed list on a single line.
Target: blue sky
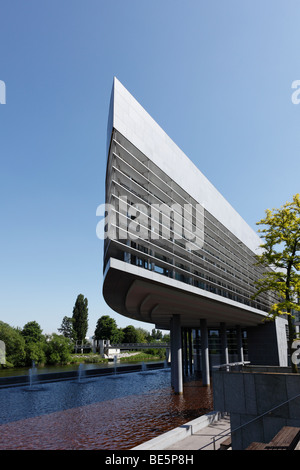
[(215, 75)]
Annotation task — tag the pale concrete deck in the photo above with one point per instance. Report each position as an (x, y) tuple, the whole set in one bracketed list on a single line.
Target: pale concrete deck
[(194, 435), (204, 437)]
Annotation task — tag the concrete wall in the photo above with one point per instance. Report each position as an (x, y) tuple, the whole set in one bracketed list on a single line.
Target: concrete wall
[(267, 343), (248, 395)]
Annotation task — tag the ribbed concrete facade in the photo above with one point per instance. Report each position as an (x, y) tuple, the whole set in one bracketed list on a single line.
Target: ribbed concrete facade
[(175, 251)]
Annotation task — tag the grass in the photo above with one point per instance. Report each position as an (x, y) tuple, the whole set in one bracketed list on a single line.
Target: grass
[(92, 358)]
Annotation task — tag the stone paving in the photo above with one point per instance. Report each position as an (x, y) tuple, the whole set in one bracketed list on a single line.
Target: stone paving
[(203, 439)]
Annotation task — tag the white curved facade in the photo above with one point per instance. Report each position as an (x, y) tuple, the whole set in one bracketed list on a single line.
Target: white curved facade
[(138, 127), (174, 247), (171, 226)]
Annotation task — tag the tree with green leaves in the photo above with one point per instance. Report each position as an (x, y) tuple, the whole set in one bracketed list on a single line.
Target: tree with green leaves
[(35, 352), (67, 327), (58, 349), (32, 332), (34, 343), (156, 334), (106, 328), (143, 336), (281, 253), (80, 317), (131, 335)]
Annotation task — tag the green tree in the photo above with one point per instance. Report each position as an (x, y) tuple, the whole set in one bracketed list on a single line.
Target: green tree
[(156, 334), (80, 317), (67, 327), (35, 352), (106, 328), (58, 350), (118, 336), (130, 334), (166, 338), (142, 335), (34, 343), (32, 332), (281, 253)]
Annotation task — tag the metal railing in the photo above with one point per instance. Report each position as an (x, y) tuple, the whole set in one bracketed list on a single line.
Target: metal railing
[(223, 434), (137, 345), (229, 365)]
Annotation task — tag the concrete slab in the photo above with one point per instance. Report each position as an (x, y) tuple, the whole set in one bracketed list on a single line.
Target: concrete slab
[(194, 435), (203, 439)]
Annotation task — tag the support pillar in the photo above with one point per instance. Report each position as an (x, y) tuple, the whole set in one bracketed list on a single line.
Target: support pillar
[(240, 349), (176, 359), (190, 351), (185, 351), (197, 349), (172, 352), (224, 344), (168, 355), (205, 353)]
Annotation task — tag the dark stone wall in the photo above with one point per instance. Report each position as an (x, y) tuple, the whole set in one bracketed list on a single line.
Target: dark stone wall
[(263, 345)]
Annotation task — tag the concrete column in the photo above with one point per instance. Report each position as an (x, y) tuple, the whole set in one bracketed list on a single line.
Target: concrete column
[(190, 350), (172, 351), (185, 351), (168, 354), (224, 344), (176, 360), (239, 340), (197, 347), (205, 353)]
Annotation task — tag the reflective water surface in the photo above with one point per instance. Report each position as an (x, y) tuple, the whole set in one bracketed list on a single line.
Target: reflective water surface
[(109, 412)]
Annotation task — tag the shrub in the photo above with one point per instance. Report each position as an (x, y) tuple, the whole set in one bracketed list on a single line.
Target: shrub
[(35, 352), (58, 350)]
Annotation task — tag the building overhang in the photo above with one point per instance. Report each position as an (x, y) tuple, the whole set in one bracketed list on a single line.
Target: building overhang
[(149, 297), (133, 122)]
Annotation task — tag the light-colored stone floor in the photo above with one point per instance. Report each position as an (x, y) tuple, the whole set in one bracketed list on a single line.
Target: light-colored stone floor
[(204, 437)]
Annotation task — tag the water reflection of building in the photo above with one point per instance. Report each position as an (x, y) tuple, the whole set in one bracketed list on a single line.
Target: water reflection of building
[(176, 253)]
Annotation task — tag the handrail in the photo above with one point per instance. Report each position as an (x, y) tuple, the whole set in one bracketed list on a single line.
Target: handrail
[(137, 345), (221, 434), (231, 364)]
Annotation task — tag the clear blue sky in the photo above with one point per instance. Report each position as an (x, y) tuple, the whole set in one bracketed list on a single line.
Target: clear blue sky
[(216, 75)]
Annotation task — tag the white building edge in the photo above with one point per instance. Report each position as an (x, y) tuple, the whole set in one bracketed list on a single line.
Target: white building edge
[(134, 123), (163, 282)]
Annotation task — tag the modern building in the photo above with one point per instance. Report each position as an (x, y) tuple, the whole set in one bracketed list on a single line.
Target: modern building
[(177, 255)]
